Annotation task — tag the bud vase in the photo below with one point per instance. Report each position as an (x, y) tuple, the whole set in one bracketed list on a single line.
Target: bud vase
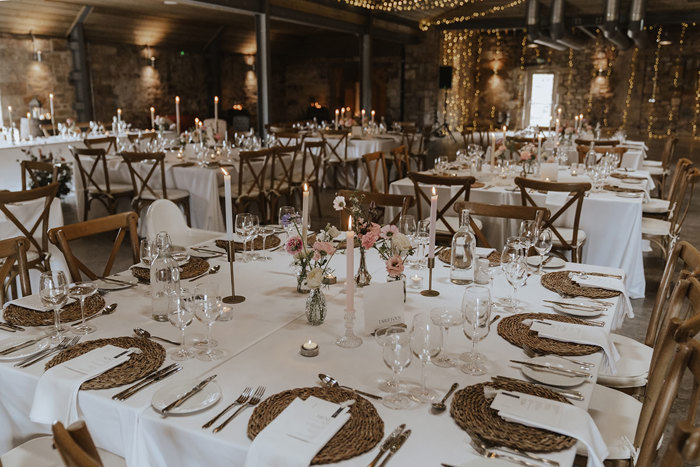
[(363, 277), (316, 307)]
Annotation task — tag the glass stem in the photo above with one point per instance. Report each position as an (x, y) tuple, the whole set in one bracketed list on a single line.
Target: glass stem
[(422, 375), (474, 342), (445, 335), (539, 270), (82, 310), (209, 339), (57, 320), (182, 338)]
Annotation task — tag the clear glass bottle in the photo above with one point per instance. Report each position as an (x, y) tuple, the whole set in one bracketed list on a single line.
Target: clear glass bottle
[(463, 252), (165, 279)]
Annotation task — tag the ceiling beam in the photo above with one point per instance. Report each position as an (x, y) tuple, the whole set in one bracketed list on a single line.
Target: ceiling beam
[(79, 18)]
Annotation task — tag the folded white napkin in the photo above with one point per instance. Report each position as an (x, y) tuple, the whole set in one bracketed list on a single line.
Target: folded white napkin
[(482, 252), (33, 302), (56, 394), (580, 334), (607, 283), (297, 434), (559, 417)]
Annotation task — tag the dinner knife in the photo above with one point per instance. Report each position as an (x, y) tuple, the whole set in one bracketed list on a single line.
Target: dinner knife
[(148, 377), (14, 348), (160, 377), (578, 305), (554, 369), (11, 326), (7, 328), (177, 403), (396, 446), (568, 393), (116, 281), (387, 443)]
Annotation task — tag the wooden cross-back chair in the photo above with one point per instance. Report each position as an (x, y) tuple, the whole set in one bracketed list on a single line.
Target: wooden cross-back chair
[(563, 238), (62, 236), (661, 207), (309, 170), (407, 125), (684, 446), (283, 162), (381, 201), (88, 161), (661, 171), (47, 129), (289, 138), (37, 254), (75, 445), (145, 191), (504, 211), (400, 160), (137, 139), (30, 168), (253, 172), (598, 142), (414, 142), (276, 128), (336, 153), (108, 143), (13, 252), (583, 151), (446, 226), (375, 165)]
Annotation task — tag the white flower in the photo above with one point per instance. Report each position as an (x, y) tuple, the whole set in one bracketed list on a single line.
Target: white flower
[(339, 203), (400, 243), (313, 280), (333, 232), (321, 236)]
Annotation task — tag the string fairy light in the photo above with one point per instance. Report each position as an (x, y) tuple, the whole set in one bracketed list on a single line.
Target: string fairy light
[(606, 105), (408, 5), (630, 87), (477, 90), (676, 73), (594, 72), (569, 77), (654, 79), (697, 107), (426, 24)]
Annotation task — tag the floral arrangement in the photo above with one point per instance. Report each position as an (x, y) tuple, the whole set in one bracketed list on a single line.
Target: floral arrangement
[(312, 262), (65, 172)]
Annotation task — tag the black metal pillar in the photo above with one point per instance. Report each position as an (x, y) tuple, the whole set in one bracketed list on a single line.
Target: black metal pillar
[(262, 65), (80, 74)]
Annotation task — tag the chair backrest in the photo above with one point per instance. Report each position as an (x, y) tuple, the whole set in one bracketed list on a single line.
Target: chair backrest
[(62, 236), (380, 200), (289, 138), (47, 129), (14, 253), (88, 161), (504, 211), (253, 168), (31, 168), (669, 151), (75, 445), (684, 446), (686, 190), (583, 150), (465, 184), (47, 193), (336, 145), (598, 142), (681, 170), (401, 160), (375, 166), (577, 194), (407, 125), (152, 161), (275, 128), (284, 160), (108, 143), (146, 136), (408, 138), (312, 160)]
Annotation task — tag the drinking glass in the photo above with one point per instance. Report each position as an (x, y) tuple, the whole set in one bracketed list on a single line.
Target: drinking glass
[(80, 291), (445, 318), (384, 336), (441, 164), (528, 231), (53, 290), (543, 245), (514, 266), (207, 310), (265, 231), (407, 226), (423, 236), (476, 310), (254, 222), (426, 343), (147, 251), (396, 353), (286, 219), (243, 228), (181, 317)]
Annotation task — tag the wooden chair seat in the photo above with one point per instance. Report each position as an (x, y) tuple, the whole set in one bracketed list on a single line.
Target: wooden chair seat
[(568, 234), (114, 188)]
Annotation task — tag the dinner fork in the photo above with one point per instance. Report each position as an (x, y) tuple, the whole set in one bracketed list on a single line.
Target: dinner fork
[(31, 361), (482, 451), (253, 401), (242, 399)]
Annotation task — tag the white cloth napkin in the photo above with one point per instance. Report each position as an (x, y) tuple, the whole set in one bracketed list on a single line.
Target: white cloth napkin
[(559, 417), (482, 252), (607, 283), (33, 302), (580, 334), (56, 394), (297, 434)]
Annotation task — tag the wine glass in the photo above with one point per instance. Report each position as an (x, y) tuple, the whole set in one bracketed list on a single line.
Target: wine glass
[(181, 317), (207, 310), (476, 310), (407, 226), (383, 336), (396, 353), (53, 290), (423, 236), (445, 318), (243, 227), (426, 343), (80, 291), (286, 217), (543, 245), (528, 231), (147, 251), (253, 232), (265, 231), (514, 266)]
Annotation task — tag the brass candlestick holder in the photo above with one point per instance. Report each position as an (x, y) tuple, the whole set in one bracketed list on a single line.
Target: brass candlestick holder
[(233, 298), (430, 292)]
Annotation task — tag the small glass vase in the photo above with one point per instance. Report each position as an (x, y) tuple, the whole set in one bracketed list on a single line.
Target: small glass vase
[(301, 281), (401, 278), (363, 277), (316, 307)]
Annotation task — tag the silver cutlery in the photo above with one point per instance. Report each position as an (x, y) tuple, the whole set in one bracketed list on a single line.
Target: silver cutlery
[(152, 377), (549, 258), (181, 400), (118, 282), (579, 306), (568, 393), (35, 358), (11, 326), (63, 342), (212, 270), (490, 445), (108, 310), (22, 345), (387, 443), (251, 402), (534, 353), (553, 369), (242, 399), (482, 451), (396, 446), (6, 328), (205, 250), (147, 335), (439, 407), (329, 381)]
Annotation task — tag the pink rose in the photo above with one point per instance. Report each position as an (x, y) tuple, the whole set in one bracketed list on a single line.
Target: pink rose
[(324, 248), (317, 256), (294, 245), (375, 229), (369, 239), (394, 266), (388, 231), (525, 156)]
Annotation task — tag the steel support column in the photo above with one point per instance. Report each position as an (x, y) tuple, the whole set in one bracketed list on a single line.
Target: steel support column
[(80, 74), (262, 65), (366, 72)]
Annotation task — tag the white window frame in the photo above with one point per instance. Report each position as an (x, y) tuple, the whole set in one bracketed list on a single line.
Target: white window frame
[(528, 92)]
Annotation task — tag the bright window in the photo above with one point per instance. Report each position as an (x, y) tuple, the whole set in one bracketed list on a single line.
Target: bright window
[(541, 98)]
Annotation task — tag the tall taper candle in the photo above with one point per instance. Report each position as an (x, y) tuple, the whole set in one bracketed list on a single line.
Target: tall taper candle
[(305, 214), (229, 210), (216, 114), (493, 147), (53, 120), (372, 116), (337, 112), (433, 215), (363, 117), (350, 268), (153, 118), (177, 115)]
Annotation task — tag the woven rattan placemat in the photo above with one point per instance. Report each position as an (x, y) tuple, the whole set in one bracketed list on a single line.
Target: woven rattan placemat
[(360, 434), (512, 329), (194, 267), (271, 242), (472, 412), (626, 177), (621, 189), (139, 365), (446, 254), (561, 283), (25, 317)]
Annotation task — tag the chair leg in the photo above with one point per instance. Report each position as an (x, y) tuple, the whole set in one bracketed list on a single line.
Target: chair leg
[(186, 206)]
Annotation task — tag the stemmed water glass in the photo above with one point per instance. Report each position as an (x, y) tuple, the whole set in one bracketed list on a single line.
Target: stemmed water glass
[(445, 318), (252, 233), (53, 290), (476, 309), (426, 343), (244, 226), (528, 232), (286, 217), (147, 251), (407, 226), (181, 317), (514, 266), (396, 353), (80, 291), (265, 231), (208, 307), (384, 336), (543, 245)]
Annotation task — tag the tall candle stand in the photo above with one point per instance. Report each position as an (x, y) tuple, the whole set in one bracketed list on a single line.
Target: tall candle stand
[(349, 340), (430, 292), (233, 298)]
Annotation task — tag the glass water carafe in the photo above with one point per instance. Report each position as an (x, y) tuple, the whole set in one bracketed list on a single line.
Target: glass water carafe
[(463, 252), (165, 279)]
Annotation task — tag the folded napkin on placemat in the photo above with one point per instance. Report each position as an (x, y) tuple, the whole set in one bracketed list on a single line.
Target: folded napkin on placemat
[(33, 302), (607, 283), (579, 334), (297, 434), (559, 417), (56, 395)]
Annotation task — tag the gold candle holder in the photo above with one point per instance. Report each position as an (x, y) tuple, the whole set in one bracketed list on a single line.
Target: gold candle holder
[(430, 292), (233, 298)]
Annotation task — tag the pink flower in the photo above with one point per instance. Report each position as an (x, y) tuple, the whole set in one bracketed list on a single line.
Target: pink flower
[(369, 239), (375, 229), (388, 231), (323, 249), (525, 156), (294, 245), (394, 266)]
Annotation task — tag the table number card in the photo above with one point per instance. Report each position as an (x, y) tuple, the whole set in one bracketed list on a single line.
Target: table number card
[(384, 305), (356, 131)]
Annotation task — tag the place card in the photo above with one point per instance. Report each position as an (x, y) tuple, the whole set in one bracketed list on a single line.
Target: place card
[(356, 131), (383, 304)]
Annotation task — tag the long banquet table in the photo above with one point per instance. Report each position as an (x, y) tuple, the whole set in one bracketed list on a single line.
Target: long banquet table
[(262, 344)]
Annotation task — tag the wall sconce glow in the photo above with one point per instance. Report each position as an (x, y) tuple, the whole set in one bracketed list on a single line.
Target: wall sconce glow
[(36, 53), (150, 57)]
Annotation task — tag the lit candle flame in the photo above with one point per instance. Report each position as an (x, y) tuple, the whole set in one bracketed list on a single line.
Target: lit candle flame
[(434, 192), (306, 187), (349, 222), (224, 171), (177, 99), (216, 99), (153, 109)]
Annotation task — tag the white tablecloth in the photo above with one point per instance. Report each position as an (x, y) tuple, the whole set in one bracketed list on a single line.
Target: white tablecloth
[(263, 343)]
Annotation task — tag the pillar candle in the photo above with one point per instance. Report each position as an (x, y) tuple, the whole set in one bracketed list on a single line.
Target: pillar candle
[(216, 114), (505, 129), (558, 126), (342, 113), (53, 120), (539, 146), (433, 216), (350, 268), (12, 130), (229, 210), (177, 114), (305, 214), (580, 121), (373, 116), (576, 124), (153, 117)]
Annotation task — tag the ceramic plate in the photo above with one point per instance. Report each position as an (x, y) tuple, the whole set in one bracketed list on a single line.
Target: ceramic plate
[(549, 377), (204, 254), (107, 285), (25, 352), (200, 401), (554, 263), (582, 310), (628, 195)]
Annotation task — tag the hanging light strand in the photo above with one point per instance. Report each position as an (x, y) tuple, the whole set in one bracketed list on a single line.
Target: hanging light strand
[(569, 78), (676, 74), (477, 90), (654, 79), (630, 87), (594, 71), (697, 106), (611, 62), (426, 24), (408, 5)]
